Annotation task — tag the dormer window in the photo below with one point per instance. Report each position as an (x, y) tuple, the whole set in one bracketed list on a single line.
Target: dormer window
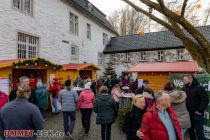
[(90, 7)]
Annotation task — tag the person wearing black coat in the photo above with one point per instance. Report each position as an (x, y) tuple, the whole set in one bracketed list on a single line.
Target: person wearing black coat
[(108, 83), (196, 102), (93, 87), (25, 81), (145, 88), (32, 99), (114, 81), (134, 117)]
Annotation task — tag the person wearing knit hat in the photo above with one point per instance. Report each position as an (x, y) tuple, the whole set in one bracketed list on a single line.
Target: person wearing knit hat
[(87, 85), (55, 80), (68, 99), (86, 101)]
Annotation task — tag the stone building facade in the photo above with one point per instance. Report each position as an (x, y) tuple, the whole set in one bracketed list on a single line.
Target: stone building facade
[(60, 31)]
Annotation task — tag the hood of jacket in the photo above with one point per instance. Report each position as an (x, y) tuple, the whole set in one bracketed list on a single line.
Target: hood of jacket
[(87, 91), (104, 97), (177, 96)]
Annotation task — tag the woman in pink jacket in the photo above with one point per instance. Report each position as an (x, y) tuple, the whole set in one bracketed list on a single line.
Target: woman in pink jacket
[(117, 94), (86, 101), (3, 99)]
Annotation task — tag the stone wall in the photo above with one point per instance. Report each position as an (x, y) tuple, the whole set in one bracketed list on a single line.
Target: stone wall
[(122, 61)]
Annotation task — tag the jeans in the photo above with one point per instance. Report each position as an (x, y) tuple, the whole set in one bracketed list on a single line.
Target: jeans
[(197, 122), (66, 116), (184, 130), (42, 111), (86, 115), (106, 131), (55, 104)]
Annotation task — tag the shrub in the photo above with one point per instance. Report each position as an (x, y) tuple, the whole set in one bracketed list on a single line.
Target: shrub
[(122, 111)]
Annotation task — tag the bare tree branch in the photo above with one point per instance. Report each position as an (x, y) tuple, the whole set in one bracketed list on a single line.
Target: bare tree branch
[(184, 7), (182, 21), (158, 20), (200, 49)]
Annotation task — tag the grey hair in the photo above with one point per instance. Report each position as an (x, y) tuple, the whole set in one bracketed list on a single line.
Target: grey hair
[(39, 83), (22, 78), (159, 96)]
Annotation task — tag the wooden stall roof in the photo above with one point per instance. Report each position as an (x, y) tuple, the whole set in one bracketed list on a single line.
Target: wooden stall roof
[(190, 66), (8, 63), (79, 66)]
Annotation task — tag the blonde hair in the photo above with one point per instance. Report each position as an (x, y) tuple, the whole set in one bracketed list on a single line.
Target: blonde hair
[(23, 91), (103, 89), (135, 99)]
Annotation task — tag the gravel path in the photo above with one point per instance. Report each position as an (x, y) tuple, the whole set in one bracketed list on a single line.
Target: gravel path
[(55, 122)]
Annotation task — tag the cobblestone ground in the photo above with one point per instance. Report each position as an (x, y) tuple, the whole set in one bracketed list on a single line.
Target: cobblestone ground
[(55, 122)]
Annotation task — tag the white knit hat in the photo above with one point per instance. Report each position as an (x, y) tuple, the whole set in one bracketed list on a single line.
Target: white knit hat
[(87, 85)]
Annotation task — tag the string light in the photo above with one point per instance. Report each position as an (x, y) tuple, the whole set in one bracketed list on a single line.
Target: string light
[(141, 32), (198, 6), (178, 11)]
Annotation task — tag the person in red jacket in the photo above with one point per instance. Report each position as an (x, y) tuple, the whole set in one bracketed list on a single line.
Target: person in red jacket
[(3, 99), (32, 81), (160, 121), (55, 89)]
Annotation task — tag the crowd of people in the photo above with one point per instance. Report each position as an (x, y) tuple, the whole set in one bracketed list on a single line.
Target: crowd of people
[(166, 115)]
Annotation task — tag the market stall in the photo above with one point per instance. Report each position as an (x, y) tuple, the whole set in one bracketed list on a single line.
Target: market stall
[(34, 68), (158, 73), (74, 70)]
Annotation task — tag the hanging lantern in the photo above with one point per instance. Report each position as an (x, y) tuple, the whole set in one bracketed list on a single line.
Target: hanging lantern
[(46, 65), (54, 68), (26, 64), (198, 6), (178, 11), (35, 64), (141, 32), (16, 67)]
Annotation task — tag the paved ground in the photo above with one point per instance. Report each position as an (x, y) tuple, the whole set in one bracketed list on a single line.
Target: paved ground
[(55, 122)]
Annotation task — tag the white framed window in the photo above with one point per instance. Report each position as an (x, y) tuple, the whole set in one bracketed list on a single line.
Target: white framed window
[(100, 59), (180, 54), (160, 55), (74, 24), (105, 38), (16, 4), (88, 31), (127, 57), (143, 56), (74, 52), (28, 46), (23, 5), (27, 6)]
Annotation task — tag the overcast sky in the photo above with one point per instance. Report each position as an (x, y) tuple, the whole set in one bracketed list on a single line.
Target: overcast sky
[(108, 6)]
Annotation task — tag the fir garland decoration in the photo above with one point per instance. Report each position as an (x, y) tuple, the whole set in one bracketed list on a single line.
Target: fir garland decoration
[(37, 61)]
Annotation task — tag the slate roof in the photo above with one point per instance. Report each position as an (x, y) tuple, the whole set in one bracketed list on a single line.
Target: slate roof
[(95, 13), (150, 41)]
